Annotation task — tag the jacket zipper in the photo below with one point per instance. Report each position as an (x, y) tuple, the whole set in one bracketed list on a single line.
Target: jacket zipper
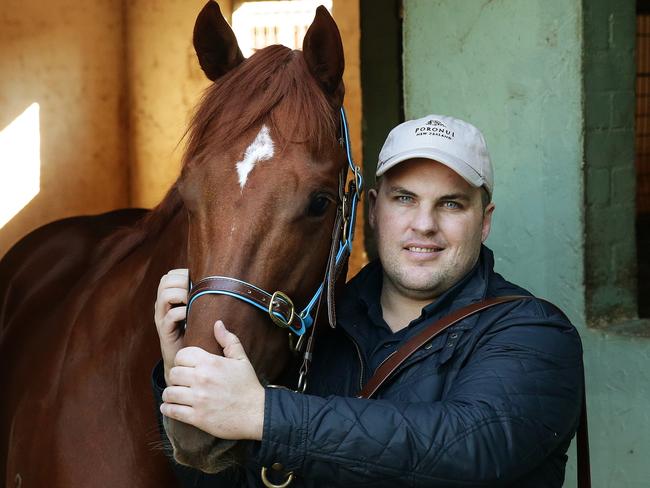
[(361, 369)]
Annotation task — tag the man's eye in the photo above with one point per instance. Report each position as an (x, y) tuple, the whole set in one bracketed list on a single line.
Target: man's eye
[(451, 205), (404, 198)]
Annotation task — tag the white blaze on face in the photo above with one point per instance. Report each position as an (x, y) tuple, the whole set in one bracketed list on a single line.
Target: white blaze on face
[(260, 149)]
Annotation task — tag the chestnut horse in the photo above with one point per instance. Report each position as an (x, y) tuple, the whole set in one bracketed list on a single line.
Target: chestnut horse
[(256, 200)]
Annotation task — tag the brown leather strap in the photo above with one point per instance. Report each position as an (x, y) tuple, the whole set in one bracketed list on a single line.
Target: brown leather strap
[(250, 292), (389, 366), (344, 218), (331, 275)]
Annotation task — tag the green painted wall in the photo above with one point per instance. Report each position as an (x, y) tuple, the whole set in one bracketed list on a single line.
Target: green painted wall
[(520, 83), (515, 69)]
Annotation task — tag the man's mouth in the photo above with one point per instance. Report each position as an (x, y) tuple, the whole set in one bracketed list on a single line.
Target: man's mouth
[(424, 250)]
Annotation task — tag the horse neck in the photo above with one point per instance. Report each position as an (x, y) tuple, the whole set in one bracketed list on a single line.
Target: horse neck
[(135, 280), (168, 249)]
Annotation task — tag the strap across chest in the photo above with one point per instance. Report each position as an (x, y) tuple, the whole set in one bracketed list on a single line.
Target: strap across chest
[(389, 367)]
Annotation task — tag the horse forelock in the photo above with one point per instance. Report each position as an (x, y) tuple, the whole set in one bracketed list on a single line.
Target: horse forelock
[(273, 86)]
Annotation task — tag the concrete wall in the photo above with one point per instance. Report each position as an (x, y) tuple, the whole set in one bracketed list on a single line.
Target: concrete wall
[(515, 69), (165, 82), (67, 57)]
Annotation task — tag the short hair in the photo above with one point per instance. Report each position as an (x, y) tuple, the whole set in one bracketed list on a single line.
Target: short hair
[(485, 197)]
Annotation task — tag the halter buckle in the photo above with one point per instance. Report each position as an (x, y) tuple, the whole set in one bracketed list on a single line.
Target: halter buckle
[(277, 318)]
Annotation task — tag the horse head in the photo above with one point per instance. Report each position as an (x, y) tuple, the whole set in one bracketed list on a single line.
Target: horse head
[(260, 186)]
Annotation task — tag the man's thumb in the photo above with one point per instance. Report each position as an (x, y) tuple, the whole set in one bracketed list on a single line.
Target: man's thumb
[(232, 348)]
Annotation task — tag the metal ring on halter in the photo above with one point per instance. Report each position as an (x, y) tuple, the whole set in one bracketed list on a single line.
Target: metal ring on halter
[(302, 382), (277, 318), (357, 177), (268, 484)]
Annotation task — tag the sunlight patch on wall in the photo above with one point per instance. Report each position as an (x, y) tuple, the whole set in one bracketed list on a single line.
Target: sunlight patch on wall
[(20, 163), (260, 24)]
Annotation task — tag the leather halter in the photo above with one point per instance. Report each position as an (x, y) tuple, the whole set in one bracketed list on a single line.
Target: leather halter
[(278, 305)]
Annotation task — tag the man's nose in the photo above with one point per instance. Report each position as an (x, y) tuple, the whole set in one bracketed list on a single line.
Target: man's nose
[(425, 221)]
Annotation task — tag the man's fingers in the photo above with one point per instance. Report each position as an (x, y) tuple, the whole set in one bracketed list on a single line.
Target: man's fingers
[(173, 280), (182, 413), (173, 296), (173, 316), (180, 395), (191, 356), (175, 277), (232, 347), (180, 271), (166, 298), (181, 376), (170, 323)]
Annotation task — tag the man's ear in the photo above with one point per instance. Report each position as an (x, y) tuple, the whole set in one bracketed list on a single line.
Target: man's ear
[(372, 204), (487, 221)]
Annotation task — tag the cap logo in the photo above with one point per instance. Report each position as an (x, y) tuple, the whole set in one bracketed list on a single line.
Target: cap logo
[(435, 128)]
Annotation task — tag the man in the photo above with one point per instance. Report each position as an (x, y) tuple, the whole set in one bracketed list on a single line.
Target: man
[(493, 401)]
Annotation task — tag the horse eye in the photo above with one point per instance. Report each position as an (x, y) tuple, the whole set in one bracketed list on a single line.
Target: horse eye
[(318, 206)]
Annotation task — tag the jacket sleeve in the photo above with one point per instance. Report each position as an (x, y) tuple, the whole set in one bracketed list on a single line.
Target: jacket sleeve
[(515, 400)]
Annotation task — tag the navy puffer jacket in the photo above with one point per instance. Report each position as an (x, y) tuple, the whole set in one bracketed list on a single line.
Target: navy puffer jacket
[(493, 401)]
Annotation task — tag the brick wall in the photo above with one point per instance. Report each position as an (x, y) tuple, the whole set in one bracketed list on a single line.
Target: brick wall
[(609, 78)]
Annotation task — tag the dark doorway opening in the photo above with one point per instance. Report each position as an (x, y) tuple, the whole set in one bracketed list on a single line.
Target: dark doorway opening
[(381, 85), (642, 159)]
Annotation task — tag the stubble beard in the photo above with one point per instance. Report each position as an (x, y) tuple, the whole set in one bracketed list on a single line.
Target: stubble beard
[(431, 281)]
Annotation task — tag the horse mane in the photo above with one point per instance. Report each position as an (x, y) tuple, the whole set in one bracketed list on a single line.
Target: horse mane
[(275, 86)]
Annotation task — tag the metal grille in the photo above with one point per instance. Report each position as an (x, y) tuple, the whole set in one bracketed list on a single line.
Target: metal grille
[(643, 114)]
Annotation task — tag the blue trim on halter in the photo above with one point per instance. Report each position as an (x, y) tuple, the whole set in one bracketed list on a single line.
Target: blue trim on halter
[(305, 322), (305, 317), (347, 240)]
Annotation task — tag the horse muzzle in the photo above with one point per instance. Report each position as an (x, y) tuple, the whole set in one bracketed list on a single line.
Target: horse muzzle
[(198, 449)]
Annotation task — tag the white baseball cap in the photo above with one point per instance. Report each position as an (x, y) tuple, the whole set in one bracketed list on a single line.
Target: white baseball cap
[(452, 142)]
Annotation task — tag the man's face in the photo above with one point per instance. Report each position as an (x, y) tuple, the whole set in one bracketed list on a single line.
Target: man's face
[(429, 224)]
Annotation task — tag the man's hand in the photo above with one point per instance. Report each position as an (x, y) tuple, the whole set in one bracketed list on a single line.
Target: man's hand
[(171, 291), (219, 395)]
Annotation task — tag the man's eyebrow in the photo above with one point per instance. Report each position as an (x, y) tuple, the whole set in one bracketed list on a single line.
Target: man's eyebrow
[(399, 189), (456, 196), (450, 196)]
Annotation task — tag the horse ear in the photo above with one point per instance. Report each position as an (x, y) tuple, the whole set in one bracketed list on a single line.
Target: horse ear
[(215, 42), (323, 52)]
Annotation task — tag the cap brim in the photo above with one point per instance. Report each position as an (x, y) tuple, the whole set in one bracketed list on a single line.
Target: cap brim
[(468, 173)]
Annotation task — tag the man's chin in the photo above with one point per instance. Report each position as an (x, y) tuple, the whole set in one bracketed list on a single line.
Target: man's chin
[(421, 288)]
